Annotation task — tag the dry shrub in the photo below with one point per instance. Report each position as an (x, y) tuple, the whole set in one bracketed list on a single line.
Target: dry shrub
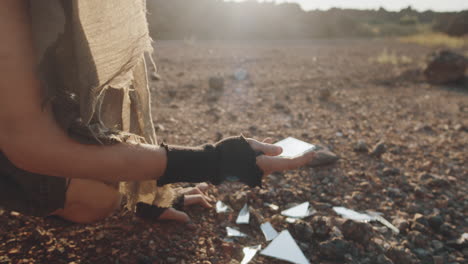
[(437, 39), (386, 57)]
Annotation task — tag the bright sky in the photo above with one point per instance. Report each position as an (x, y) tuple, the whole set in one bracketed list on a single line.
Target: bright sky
[(394, 5)]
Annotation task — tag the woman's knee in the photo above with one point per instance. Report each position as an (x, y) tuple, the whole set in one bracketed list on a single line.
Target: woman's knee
[(83, 213), (89, 201)]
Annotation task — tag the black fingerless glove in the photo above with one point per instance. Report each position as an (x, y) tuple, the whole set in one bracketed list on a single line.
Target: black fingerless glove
[(231, 158), (148, 211)]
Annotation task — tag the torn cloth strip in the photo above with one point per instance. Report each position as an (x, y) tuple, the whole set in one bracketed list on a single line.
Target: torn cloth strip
[(92, 65)]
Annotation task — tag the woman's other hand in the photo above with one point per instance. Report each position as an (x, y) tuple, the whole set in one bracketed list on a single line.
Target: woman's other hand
[(271, 162)]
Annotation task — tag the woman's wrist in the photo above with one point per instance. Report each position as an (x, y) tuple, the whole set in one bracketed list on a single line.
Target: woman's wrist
[(231, 158)]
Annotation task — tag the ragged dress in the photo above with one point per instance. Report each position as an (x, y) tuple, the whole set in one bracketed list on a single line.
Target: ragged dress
[(92, 58)]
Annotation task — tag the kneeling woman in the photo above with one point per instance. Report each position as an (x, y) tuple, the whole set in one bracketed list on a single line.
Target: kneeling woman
[(76, 124)]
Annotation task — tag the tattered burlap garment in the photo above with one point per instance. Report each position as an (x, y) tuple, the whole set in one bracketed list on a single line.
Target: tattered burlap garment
[(93, 68)]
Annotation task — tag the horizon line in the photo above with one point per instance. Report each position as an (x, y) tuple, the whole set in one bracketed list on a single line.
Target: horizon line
[(420, 10)]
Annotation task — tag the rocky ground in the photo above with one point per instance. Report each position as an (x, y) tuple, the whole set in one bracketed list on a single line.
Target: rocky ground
[(403, 146)]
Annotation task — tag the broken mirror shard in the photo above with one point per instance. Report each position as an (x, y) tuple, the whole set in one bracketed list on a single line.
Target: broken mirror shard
[(383, 221), (244, 215), (232, 232), (268, 231), (285, 248), (228, 239), (353, 215), (249, 253), (300, 211), (273, 207), (221, 207), (360, 217), (294, 147)]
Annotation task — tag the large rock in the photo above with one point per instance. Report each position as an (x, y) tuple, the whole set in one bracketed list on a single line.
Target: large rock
[(216, 83), (256, 218), (361, 146), (402, 224), (445, 66), (435, 221), (237, 200), (356, 231), (401, 255), (324, 157), (379, 149), (418, 239), (336, 249), (321, 226), (382, 259), (303, 231), (420, 223)]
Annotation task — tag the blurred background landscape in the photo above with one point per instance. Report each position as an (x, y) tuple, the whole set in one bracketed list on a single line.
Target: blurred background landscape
[(215, 19), (384, 89)]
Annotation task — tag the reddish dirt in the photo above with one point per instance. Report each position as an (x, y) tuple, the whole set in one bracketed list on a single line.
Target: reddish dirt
[(331, 93)]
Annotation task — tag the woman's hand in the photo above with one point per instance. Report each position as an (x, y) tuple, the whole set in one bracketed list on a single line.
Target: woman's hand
[(270, 162), (192, 196)]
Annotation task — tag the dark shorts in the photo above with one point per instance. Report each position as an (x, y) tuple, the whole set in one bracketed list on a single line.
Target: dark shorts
[(30, 193)]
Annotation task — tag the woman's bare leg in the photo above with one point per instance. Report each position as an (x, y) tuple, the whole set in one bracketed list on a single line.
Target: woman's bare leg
[(193, 195), (176, 215), (89, 201)]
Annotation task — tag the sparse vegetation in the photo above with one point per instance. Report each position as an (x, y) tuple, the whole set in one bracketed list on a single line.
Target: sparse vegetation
[(392, 57), (437, 39), (214, 19), (409, 20)]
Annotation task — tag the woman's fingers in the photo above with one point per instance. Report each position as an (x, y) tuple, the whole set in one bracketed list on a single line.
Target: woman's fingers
[(203, 186), (197, 199), (199, 189), (270, 164), (266, 148), (209, 199), (192, 190)]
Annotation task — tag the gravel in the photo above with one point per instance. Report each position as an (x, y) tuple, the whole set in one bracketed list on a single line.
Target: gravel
[(415, 178)]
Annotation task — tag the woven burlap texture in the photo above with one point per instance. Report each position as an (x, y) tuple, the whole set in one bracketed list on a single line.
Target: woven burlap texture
[(92, 63)]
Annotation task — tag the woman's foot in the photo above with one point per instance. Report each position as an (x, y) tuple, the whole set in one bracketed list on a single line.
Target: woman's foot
[(199, 199), (173, 214), (192, 196), (200, 188), (196, 195)]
